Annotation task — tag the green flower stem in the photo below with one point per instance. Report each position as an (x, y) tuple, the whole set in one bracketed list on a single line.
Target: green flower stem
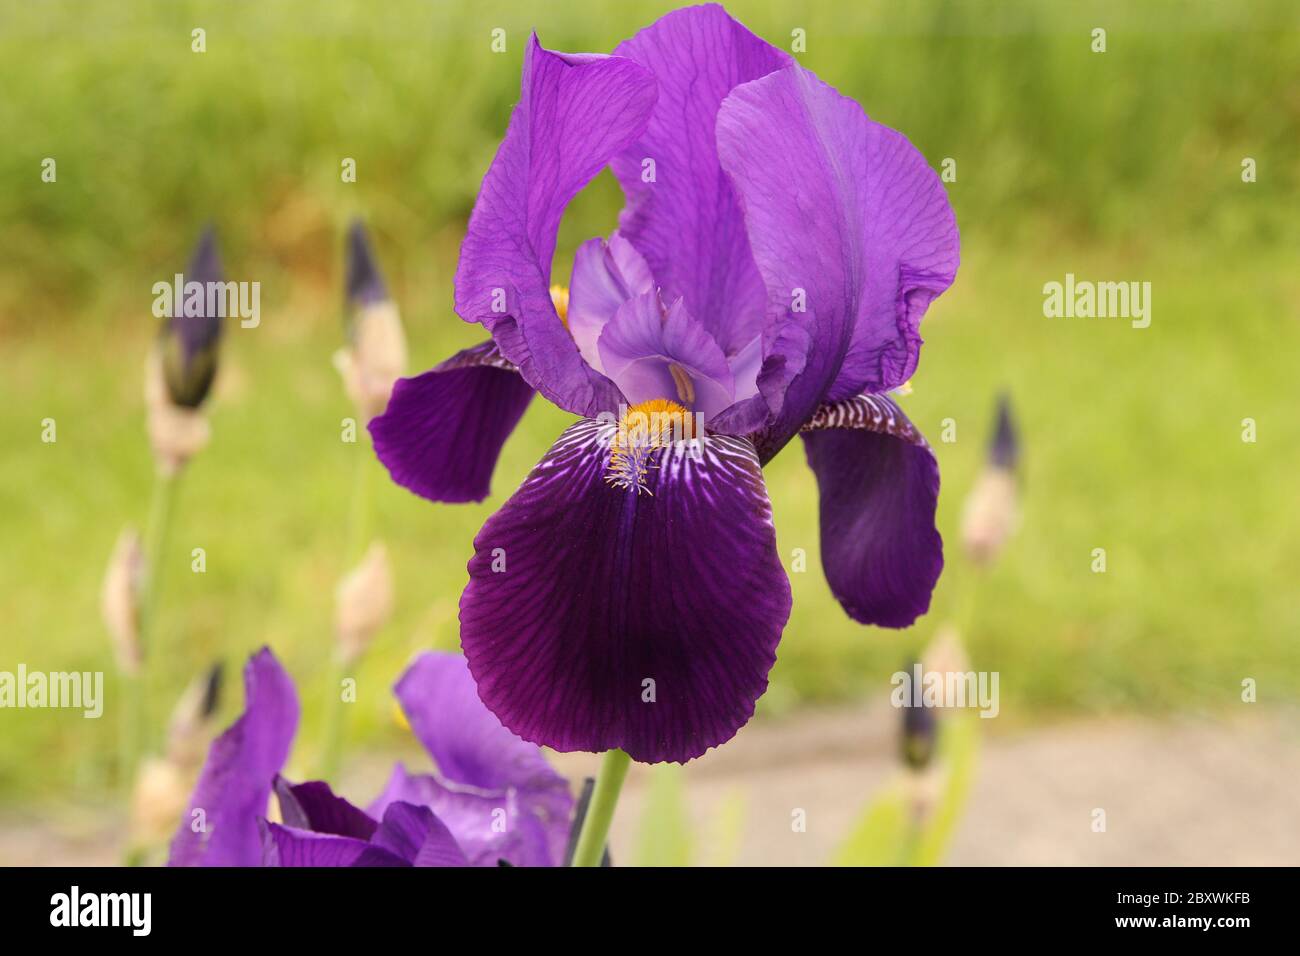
[(595, 828), (332, 745), (358, 522), (135, 723)]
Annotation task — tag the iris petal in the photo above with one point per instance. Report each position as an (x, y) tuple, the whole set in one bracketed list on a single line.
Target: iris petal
[(851, 231), (652, 353), (443, 431), (600, 618), (686, 219), (879, 485), (314, 806), (574, 113), (290, 846), (220, 827)]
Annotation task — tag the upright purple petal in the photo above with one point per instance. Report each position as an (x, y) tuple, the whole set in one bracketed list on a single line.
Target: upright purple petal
[(443, 431), (220, 828), (641, 621), (465, 739), (605, 275), (685, 219), (655, 352), (879, 485), (574, 113), (850, 229)]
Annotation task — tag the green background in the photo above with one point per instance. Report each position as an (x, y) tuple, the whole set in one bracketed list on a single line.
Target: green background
[(1123, 165)]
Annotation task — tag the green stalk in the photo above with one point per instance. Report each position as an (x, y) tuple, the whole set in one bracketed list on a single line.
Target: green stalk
[(358, 521), (135, 723), (595, 828)]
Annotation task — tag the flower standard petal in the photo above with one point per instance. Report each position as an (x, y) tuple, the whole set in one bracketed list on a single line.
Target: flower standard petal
[(220, 827), (685, 219), (646, 622), (574, 113), (443, 431), (850, 229), (879, 484)]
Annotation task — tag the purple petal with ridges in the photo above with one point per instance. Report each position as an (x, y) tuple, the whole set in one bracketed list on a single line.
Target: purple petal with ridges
[(525, 827), (847, 211), (443, 431), (879, 485), (687, 222), (290, 846), (574, 113), (606, 589), (414, 834), (235, 785), (314, 806)]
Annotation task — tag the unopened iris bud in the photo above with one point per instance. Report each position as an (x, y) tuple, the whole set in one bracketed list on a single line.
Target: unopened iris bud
[(120, 600), (375, 357), (920, 730), (189, 729), (190, 338), (364, 603), (992, 511), (182, 365)]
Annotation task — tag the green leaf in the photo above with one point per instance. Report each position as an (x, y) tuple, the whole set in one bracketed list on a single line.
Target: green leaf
[(665, 838)]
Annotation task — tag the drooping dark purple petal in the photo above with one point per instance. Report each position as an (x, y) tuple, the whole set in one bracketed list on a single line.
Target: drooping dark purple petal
[(220, 827), (365, 283), (415, 835), (851, 232), (314, 806), (574, 113), (655, 352), (191, 336), (682, 212), (291, 846), (443, 431), (879, 484), (642, 621)]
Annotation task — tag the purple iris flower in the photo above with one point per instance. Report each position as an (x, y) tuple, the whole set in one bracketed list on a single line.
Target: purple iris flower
[(767, 278), (496, 799)]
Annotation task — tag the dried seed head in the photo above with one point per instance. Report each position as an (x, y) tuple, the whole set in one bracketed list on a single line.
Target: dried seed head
[(364, 603), (120, 600)]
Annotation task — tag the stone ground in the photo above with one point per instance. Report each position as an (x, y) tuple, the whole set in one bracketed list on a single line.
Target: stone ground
[(1186, 791)]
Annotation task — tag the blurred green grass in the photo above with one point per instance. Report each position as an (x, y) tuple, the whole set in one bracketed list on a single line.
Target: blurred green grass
[(1123, 165)]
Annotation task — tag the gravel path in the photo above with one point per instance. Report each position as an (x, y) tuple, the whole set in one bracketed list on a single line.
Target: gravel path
[(1176, 792)]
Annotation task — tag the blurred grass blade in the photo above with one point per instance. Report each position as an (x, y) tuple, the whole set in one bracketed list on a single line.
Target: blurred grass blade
[(665, 837)]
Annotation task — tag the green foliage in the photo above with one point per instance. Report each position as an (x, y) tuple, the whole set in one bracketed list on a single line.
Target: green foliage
[(889, 832)]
